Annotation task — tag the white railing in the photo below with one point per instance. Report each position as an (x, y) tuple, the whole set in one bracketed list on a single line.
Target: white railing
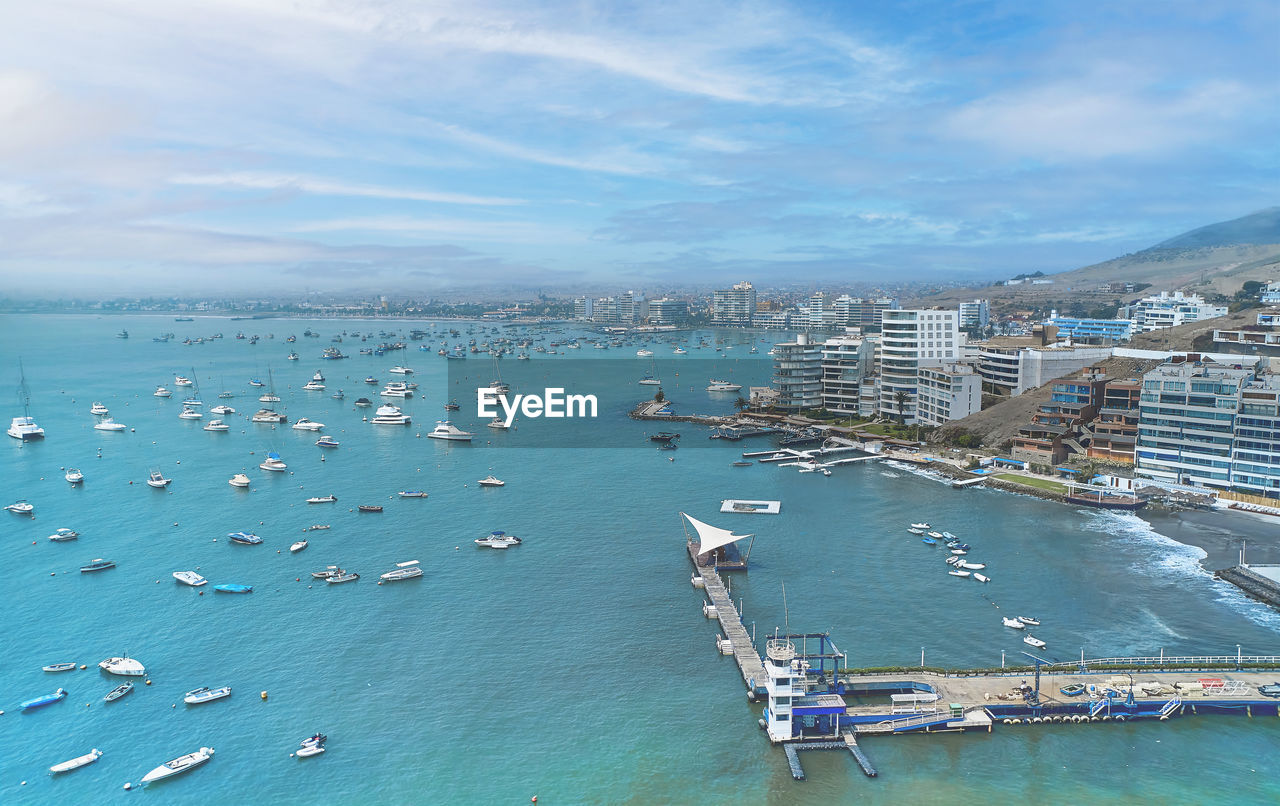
[(1171, 706), (1181, 660)]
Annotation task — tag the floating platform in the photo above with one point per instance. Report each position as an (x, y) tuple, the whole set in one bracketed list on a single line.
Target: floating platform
[(750, 507)]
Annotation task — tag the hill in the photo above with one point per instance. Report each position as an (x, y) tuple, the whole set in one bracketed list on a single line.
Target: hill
[(1262, 227)]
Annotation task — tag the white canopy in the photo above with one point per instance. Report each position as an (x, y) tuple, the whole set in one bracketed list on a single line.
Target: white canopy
[(711, 537)]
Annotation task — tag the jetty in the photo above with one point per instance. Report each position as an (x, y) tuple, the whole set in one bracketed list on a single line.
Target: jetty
[(744, 650)]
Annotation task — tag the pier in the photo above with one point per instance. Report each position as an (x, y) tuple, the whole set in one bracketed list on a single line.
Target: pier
[(744, 651)]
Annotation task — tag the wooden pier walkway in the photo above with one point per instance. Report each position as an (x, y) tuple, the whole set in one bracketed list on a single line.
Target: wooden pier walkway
[(744, 651)]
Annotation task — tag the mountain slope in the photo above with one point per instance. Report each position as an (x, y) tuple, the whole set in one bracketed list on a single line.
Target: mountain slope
[(1262, 227)]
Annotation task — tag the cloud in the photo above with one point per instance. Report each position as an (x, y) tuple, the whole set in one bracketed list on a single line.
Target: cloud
[(325, 187)]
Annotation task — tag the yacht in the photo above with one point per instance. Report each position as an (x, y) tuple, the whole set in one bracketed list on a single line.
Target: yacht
[(182, 381), (108, 424), (723, 386), (397, 390), (390, 415), (244, 538), (268, 416), (446, 430), (157, 480), (21, 507), (125, 667), (162, 392), (327, 442), (273, 462), (63, 534), (491, 481), (73, 476), (179, 765), (98, 408), (189, 578), (189, 413), (313, 386), (269, 398), (239, 480), (498, 423), (303, 424), (323, 499), (217, 425), (405, 570), (24, 428), (498, 540), (77, 762), (222, 409), (400, 371), (97, 565)]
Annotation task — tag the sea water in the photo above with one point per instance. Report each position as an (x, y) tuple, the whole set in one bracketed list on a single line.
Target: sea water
[(576, 667)]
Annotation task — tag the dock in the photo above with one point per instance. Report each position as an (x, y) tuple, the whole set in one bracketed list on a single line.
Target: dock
[(744, 506), (744, 650)]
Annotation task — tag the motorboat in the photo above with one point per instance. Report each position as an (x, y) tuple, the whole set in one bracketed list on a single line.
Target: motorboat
[(308, 750), (21, 507), (368, 508), (268, 416), (400, 371), (189, 413), (245, 538), (303, 424), (1031, 640), (232, 587), (298, 546), (98, 408), (239, 480), (406, 570), (291, 357), (644, 353), (915, 531), (412, 494), (323, 499), (189, 578), (342, 576), (452, 405), (216, 425), (330, 571), (222, 409), (936, 535), (198, 696), (274, 463), (179, 765), (743, 463), (313, 386), (256, 383), (59, 667), (680, 351), (952, 560), (108, 424), (981, 577), (491, 481), (157, 480), (337, 395), (63, 534), (269, 397), (162, 392), (498, 423), (959, 552), (182, 380), (1030, 622), (723, 386), (397, 390), (920, 526), (928, 541), (972, 566), (372, 381), (390, 415), (317, 527), (318, 377), (97, 565), (498, 540), (327, 442), (47, 699), (77, 762), (958, 573), (73, 476), (125, 667), (447, 431), (1013, 623), (363, 402)]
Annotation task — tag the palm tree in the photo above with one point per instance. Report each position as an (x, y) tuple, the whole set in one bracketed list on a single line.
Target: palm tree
[(900, 397), (741, 404)]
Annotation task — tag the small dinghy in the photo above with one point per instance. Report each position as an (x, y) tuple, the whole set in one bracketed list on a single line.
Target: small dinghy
[(1029, 621), (958, 573), (299, 546), (981, 577), (1033, 641), (118, 692), (1073, 690), (233, 588), (369, 508), (1013, 623), (197, 696), (311, 746), (59, 667), (47, 699), (77, 762)]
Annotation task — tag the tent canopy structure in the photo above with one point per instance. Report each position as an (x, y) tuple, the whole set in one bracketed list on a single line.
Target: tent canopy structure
[(711, 537)]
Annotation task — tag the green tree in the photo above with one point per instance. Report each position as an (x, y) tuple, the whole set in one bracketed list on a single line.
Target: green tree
[(900, 398), (741, 404), (659, 397)]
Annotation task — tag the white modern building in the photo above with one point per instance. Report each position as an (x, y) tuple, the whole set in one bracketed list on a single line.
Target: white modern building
[(1013, 369), (1271, 293), (947, 392), (668, 311), (847, 362), (910, 339), (734, 306), (583, 307), (1170, 310), (797, 374), (974, 314)]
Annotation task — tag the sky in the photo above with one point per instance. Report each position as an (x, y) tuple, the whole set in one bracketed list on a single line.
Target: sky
[(248, 146)]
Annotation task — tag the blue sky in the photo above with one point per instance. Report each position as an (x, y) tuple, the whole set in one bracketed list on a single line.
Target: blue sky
[(270, 145)]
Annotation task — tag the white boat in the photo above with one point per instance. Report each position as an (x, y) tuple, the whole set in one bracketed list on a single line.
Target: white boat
[(309, 751), (313, 386), (491, 481), (958, 573), (62, 535), (318, 377), (189, 413), (723, 386), (162, 392), (98, 408), (222, 409), (239, 480), (189, 578), (405, 570), (125, 667), (644, 352), (298, 546), (274, 463), (24, 428), (303, 424), (981, 577), (680, 351), (920, 526), (73, 476), (916, 531), (108, 424), (323, 499), (390, 415), (269, 398), (970, 566), (396, 390), (198, 696), (181, 380), (77, 762), (935, 535), (21, 507), (400, 371), (1013, 623), (1033, 641), (157, 480), (268, 416), (1029, 621), (216, 425), (498, 423), (179, 765), (446, 430), (498, 540)]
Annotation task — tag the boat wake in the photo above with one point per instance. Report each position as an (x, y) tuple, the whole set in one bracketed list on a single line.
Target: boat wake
[(887, 474), (1177, 561)]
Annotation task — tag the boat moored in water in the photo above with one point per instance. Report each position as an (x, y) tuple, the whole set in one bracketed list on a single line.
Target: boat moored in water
[(40, 702), (491, 481), (239, 480), (179, 765), (231, 587), (157, 480), (1033, 641), (58, 667), (21, 507), (125, 667), (448, 431), (77, 762), (97, 565), (64, 534), (247, 538), (298, 546), (189, 578), (498, 540), (118, 692), (198, 696), (408, 569)]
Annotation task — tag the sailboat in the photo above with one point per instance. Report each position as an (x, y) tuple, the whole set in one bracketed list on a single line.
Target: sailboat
[(267, 414), (651, 377), (194, 400), (496, 384), (25, 428)]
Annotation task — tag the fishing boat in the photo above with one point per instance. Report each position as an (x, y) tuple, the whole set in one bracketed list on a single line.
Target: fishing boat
[(246, 538), (189, 578), (273, 462), (58, 667), (323, 499), (412, 494), (77, 762), (118, 692), (369, 508), (447, 431), (232, 587), (24, 428), (199, 696), (491, 481), (498, 540), (125, 667), (217, 425), (98, 408), (97, 565), (298, 546), (342, 576), (64, 534), (1029, 621), (157, 480), (179, 765), (406, 570), (47, 699), (239, 480), (1013, 623), (1031, 640), (327, 442)]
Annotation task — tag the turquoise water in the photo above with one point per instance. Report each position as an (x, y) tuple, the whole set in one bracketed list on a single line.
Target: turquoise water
[(576, 667)]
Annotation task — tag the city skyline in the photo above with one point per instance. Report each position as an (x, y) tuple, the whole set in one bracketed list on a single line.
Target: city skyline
[(432, 146)]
